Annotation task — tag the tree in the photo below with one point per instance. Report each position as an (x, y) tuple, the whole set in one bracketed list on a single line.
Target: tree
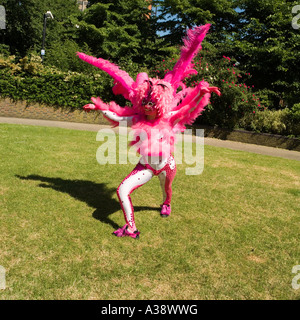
[(178, 15), (255, 33), (269, 48), (24, 25), (121, 29)]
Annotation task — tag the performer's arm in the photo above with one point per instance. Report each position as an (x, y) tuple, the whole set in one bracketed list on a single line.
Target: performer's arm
[(188, 108), (193, 104), (110, 115), (114, 117)]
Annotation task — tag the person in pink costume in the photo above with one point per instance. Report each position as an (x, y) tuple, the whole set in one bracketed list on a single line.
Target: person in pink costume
[(157, 113)]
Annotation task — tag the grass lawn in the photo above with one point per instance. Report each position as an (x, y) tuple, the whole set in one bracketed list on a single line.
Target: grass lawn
[(233, 233)]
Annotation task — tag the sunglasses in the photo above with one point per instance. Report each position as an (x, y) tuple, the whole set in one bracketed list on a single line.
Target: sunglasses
[(146, 102)]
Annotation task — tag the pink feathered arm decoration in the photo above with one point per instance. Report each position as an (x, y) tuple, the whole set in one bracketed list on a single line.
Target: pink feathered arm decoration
[(193, 104)]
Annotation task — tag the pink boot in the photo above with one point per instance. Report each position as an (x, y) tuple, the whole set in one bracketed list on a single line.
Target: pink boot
[(165, 210), (123, 232)]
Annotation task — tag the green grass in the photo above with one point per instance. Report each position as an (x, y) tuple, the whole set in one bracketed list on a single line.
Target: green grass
[(233, 232)]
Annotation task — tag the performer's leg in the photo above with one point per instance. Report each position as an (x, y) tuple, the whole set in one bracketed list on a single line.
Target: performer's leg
[(139, 176), (166, 179), (162, 180), (166, 185)]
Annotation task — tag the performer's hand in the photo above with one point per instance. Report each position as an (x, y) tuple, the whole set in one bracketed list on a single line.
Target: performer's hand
[(215, 90), (89, 107), (205, 90)]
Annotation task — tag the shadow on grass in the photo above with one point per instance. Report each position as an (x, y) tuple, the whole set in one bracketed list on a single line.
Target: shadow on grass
[(95, 195)]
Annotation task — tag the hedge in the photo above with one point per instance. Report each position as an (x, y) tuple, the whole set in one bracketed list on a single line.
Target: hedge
[(30, 81), (283, 122)]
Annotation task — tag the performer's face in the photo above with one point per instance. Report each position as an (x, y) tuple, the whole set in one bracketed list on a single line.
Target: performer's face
[(154, 96), (149, 108)]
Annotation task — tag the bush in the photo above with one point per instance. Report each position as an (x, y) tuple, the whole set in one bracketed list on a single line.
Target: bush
[(295, 112), (295, 119), (4, 49), (31, 81), (272, 121), (63, 57)]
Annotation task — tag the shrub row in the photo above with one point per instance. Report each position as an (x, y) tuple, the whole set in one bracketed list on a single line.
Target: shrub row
[(30, 81), (284, 122)]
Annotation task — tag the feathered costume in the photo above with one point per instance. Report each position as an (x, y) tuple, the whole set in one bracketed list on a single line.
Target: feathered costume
[(156, 114)]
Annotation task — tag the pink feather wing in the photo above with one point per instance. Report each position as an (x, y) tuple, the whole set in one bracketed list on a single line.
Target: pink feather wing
[(120, 76)]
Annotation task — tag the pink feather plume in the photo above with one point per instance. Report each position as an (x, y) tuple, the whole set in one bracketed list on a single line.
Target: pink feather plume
[(122, 79), (184, 66)]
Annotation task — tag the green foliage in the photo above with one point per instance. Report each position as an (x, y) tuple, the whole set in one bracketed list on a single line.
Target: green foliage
[(4, 49), (177, 15), (31, 81), (296, 112), (268, 121), (284, 122), (268, 46), (63, 56), (295, 119), (272, 121), (256, 33), (121, 29)]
